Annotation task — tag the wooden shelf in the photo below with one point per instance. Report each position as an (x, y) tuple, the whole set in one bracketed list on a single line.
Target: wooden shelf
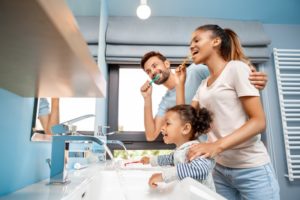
[(42, 52)]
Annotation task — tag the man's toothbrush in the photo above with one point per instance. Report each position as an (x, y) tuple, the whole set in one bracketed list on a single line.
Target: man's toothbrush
[(154, 79)]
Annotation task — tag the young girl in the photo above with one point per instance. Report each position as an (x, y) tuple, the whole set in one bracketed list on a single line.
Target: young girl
[(183, 126), (243, 169)]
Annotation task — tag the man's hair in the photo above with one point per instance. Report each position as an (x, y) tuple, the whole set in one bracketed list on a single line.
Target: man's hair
[(151, 54)]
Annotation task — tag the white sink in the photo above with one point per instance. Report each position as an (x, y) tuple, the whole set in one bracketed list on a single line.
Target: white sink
[(133, 185), (100, 182)]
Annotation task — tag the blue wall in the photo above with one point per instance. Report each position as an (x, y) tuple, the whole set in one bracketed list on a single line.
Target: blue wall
[(285, 37), (266, 11), (22, 161)]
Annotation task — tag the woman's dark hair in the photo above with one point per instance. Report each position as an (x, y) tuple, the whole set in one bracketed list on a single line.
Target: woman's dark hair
[(231, 48), (200, 120)]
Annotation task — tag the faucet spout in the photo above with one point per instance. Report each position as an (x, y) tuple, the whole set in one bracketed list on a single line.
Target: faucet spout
[(58, 172)]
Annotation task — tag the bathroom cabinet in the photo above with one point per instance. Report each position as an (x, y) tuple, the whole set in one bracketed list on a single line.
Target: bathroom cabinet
[(43, 53)]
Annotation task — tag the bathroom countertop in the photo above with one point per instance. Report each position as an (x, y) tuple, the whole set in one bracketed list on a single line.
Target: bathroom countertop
[(42, 190), (103, 181)]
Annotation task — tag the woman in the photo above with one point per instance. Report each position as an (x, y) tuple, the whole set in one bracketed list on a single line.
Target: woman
[(243, 169)]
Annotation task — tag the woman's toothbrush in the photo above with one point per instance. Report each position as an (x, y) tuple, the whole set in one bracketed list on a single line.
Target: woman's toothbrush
[(154, 79), (186, 60)]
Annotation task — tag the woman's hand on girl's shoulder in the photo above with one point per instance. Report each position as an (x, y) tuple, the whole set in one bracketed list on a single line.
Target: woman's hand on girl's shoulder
[(205, 150)]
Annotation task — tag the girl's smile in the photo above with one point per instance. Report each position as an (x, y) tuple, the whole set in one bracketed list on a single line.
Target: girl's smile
[(172, 129)]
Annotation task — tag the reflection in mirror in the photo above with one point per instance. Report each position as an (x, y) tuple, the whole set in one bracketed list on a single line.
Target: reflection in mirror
[(51, 111)]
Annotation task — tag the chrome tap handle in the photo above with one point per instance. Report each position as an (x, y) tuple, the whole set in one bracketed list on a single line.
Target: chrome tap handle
[(67, 127), (100, 130), (78, 119)]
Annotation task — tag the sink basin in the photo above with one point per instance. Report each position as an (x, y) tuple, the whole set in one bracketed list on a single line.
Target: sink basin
[(103, 181), (133, 185)]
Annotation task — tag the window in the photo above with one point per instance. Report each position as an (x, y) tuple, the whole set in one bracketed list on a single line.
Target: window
[(126, 107), (131, 102), (74, 107)]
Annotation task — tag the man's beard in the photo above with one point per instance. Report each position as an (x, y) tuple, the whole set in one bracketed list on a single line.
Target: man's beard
[(164, 76)]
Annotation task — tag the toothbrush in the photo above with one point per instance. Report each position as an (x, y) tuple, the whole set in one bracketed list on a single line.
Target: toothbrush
[(133, 162), (186, 60), (154, 79)]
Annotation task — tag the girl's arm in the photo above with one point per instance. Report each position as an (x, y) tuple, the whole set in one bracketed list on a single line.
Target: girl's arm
[(197, 169), (163, 160), (255, 124)]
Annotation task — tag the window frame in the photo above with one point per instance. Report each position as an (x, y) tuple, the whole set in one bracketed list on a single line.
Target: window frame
[(133, 140)]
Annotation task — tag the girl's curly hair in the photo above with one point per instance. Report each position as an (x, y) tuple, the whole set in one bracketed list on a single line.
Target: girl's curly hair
[(200, 120)]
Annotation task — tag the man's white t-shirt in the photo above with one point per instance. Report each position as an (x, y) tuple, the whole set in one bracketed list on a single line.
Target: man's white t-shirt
[(222, 99)]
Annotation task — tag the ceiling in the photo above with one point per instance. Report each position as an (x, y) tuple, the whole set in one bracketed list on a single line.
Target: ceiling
[(266, 11)]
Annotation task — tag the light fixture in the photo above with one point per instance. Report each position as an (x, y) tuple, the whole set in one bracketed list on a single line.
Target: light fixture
[(143, 11)]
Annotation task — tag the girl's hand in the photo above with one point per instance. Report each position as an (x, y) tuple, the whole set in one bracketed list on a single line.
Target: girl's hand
[(145, 160), (146, 89), (157, 177), (205, 150), (180, 72), (258, 79)]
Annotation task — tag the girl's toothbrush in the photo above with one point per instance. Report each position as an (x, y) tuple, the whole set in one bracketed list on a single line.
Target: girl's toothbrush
[(154, 79), (132, 162)]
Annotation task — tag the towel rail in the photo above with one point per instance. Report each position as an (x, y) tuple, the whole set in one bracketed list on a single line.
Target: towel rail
[(287, 68)]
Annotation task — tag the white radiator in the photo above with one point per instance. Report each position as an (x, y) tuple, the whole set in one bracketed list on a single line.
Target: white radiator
[(287, 64)]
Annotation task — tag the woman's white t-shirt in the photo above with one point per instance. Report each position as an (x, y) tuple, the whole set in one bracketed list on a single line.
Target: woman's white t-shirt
[(222, 99)]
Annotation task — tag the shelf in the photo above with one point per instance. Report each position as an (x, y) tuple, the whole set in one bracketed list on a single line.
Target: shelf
[(43, 53)]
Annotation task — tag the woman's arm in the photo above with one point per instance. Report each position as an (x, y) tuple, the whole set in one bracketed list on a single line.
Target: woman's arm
[(255, 124), (54, 114), (195, 104), (47, 121), (180, 87)]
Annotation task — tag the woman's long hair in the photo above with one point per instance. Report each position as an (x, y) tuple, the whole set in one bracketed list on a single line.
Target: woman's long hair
[(231, 48)]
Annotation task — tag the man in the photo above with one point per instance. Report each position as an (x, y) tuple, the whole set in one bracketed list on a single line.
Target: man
[(154, 63)]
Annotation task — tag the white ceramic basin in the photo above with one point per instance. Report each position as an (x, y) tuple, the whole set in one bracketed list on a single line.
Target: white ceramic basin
[(133, 185), (101, 182)]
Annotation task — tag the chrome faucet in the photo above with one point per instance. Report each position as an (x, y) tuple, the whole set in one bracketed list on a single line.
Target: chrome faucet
[(65, 133), (58, 171)]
